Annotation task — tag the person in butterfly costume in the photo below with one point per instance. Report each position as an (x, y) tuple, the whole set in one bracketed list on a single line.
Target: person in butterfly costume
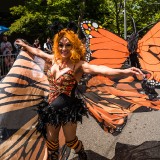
[(63, 108)]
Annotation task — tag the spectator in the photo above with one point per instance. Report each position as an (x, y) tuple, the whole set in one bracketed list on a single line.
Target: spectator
[(7, 62), (9, 59), (36, 44), (5, 45), (48, 46)]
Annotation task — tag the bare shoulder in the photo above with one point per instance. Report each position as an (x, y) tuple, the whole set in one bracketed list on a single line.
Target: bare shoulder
[(84, 64), (78, 67), (81, 64)]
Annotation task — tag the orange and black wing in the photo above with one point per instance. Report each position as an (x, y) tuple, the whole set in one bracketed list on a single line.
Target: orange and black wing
[(104, 47), (22, 90), (149, 52), (111, 100)]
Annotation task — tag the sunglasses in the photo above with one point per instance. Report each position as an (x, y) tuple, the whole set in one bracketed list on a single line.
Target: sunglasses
[(67, 46)]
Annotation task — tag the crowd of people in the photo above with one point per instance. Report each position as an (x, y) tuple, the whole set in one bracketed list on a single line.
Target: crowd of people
[(6, 55), (9, 51)]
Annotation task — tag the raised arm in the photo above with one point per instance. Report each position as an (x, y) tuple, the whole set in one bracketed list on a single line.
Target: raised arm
[(100, 69), (35, 51)]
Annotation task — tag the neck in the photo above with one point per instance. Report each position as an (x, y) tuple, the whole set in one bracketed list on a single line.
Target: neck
[(65, 60), (63, 64)]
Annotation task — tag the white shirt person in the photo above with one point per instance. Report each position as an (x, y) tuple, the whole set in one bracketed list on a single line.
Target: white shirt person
[(48, 46)]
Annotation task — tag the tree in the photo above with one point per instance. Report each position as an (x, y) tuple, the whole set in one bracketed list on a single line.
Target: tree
[(35, 16), (144, 12)]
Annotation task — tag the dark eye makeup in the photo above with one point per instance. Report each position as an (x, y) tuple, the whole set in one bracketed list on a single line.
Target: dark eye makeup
[(60, 45)]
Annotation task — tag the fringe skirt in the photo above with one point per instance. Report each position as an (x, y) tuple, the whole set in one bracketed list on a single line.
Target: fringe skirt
[(62, 110)]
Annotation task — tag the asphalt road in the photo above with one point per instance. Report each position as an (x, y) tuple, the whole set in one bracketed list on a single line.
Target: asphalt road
[(99, 145)]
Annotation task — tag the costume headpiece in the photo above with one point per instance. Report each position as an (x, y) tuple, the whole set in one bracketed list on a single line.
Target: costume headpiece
[(57, 27)]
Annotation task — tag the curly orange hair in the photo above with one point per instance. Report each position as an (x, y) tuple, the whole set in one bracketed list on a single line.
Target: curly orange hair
[(78, 50)]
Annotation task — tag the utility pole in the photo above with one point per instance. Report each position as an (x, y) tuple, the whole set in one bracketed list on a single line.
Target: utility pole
[(125, 21)]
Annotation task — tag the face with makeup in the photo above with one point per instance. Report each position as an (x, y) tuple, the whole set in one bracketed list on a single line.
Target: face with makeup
[(65, 47)]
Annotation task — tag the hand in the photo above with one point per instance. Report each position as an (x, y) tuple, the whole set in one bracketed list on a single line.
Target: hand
[(132, 71), (20, 42)]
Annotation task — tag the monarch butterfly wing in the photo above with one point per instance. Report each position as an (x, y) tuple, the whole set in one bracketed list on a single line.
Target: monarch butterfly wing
[(149, 52), (23, 88), (104, 47), (110, 102), (103, 106)]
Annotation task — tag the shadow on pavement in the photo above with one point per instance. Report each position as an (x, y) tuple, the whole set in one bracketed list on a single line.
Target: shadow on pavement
[(145, 151)]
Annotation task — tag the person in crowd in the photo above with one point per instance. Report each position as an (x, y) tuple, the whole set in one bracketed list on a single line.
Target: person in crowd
[(5, 45), (64, 108), (37, 44), (48, 46), (7, 62)]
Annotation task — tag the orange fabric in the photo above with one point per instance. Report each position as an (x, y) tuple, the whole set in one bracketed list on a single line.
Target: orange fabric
[(111, 50), (111, 99), (24, 87)]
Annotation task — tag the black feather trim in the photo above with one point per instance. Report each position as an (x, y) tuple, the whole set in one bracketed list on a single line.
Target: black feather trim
[(72, 110)]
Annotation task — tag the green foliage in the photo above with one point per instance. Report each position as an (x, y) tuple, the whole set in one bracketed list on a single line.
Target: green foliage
[(144, 13), (34, 18)]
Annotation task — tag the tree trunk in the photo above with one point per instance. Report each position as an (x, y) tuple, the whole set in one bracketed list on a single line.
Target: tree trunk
[(80, 18)]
